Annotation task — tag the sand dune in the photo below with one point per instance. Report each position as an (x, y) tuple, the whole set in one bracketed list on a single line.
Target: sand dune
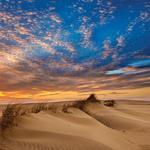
[(118, 119), (48, 140), (131, 120), (98, 128)]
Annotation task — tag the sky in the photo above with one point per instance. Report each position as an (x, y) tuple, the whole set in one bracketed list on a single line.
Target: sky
[(57, 50)]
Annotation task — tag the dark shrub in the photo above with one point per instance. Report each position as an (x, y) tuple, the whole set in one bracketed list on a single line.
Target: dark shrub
[(109, 103), (92, 98)]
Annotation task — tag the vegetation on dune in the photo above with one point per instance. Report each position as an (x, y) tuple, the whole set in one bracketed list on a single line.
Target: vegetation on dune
[(82, 104), (12, 112), (92, 98), (37, 108), (109, 103), (9, 116)]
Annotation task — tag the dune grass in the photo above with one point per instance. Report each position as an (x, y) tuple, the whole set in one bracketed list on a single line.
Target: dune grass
[(13, 111), (9, 116)]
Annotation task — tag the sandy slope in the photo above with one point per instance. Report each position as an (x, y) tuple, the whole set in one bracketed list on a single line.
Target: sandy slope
[(132, 121), (103, 128)]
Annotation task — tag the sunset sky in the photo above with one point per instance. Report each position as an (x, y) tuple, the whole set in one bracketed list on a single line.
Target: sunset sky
[(67, 49)]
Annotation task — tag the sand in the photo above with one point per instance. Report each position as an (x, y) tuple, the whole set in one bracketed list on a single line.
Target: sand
[(122, 127)]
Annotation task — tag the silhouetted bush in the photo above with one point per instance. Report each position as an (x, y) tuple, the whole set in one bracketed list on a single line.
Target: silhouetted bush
[(92, 98), (109, 103)]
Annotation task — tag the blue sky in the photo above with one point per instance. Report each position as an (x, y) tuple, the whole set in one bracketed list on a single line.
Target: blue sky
[(43, 40)]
